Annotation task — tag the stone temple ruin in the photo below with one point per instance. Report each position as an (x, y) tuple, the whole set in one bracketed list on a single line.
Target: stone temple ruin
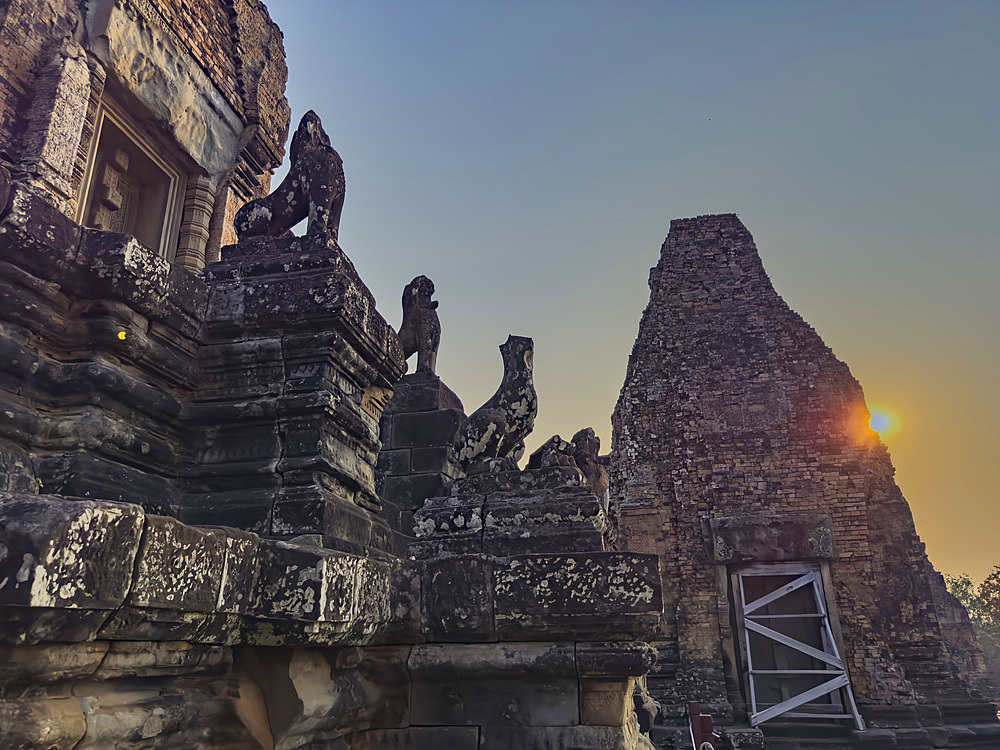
[(229, 519)]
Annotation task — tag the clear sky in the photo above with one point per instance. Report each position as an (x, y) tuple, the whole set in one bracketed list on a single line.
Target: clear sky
[(528, 157)]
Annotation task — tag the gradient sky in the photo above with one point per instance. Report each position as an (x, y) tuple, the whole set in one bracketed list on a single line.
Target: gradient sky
[(528, 157)]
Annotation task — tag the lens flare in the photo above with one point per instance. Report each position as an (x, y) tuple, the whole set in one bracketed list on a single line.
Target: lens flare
[(885, 422)]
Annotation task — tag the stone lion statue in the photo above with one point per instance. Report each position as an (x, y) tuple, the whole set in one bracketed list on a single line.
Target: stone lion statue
[(313, 189), (586, 447), (420, 331), (493, 435)]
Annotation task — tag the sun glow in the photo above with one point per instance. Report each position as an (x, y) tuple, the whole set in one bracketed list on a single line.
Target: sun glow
[(885, 422)]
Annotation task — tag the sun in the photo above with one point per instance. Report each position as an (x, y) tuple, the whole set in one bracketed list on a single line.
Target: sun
[(885, 422), (879, 422)]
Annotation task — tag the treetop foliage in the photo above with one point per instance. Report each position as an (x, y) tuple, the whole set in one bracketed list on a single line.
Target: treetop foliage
[(983, 605)]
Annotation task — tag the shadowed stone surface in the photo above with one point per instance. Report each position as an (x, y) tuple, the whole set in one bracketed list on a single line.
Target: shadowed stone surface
[(757, 537), (578, 594), (520, 684)]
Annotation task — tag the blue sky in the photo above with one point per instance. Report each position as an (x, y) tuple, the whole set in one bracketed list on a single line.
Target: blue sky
[(528, 157)]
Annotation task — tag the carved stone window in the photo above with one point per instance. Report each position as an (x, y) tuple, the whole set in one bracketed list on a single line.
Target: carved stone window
[(130, 187)]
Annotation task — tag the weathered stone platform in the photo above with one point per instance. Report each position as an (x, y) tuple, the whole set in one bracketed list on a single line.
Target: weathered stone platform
[(193, 547)]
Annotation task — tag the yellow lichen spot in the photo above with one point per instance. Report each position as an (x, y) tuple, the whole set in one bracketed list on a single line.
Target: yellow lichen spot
[(121, 335)]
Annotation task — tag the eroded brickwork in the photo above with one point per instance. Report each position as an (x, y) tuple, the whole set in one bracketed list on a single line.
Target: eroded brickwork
[(732, 406), (205, 27), (28, 31), (201, 81)]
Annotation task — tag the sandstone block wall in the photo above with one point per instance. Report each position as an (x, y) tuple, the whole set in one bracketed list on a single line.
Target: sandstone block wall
[(207, 398)]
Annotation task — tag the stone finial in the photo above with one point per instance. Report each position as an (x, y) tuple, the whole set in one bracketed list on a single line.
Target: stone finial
[(313, 189), (582, 453), (420, 331), (498, 427)]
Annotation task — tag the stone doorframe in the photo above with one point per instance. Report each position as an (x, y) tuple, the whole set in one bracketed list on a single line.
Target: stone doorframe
[(767, 537), (813, 577)]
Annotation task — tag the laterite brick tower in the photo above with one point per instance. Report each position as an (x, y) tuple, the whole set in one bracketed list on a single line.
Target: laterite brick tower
[(742, 456)]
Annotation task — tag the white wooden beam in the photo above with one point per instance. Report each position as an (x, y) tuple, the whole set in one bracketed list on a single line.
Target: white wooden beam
[(778, 593), (809, 695)]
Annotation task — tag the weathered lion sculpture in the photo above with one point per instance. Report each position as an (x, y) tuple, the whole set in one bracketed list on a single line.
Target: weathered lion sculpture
[(420, 331), (587, 446), (496, 430), (313, 189)]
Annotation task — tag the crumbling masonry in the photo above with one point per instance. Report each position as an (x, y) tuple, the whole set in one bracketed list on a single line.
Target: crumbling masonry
[(228, 519), (741, 442)]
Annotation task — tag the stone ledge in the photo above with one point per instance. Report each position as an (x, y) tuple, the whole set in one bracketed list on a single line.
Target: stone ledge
[(581, 595), (788, 535), (78, 569), (73, 569), (91, 264), (59, 553), (420, 391)]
